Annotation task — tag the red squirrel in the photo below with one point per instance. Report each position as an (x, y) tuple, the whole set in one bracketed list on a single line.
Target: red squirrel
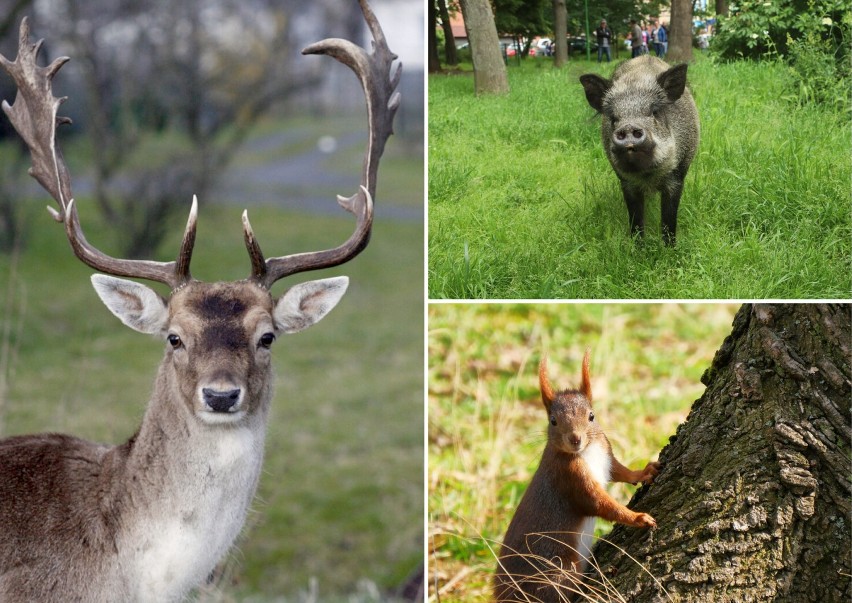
[(548, 543)]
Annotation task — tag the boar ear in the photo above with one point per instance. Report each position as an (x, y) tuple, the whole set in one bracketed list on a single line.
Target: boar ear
[(673, 81), (596, 88)]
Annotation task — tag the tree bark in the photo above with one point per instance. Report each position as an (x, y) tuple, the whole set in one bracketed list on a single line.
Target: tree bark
[(753, 502), (560, 33), (722, 8), (489, 71), (680, 36), (451, 57), (434, 64)]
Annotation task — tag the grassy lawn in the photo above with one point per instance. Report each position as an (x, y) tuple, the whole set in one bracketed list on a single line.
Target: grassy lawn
[(340, 502), (523, 203), (487, 425)]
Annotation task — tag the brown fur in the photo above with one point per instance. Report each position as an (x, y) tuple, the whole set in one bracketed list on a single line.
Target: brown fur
[(540, 555)]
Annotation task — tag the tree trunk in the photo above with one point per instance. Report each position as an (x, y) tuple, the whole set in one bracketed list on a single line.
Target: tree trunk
[(432, 38), (489, 71), (450, 55), (680, 36), (560, 33), (753, 502), (721, 8)]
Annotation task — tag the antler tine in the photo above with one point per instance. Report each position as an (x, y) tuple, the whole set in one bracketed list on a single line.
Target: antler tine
[(379, 82), (34, 115)]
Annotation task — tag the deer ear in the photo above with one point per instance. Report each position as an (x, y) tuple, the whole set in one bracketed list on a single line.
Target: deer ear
[(136, 305), (307, 303)]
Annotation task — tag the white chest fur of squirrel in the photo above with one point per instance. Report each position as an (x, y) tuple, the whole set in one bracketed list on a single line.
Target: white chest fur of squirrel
[(547, 545)]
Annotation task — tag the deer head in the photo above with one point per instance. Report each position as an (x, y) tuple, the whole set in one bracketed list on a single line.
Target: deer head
[(218, 334)]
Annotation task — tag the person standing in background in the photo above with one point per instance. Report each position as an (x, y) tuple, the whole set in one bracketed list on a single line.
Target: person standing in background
[(635, 38), (655, 37), (663, 40), (604, 35)]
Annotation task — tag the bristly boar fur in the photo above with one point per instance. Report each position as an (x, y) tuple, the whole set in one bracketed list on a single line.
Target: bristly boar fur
[(650, 134)]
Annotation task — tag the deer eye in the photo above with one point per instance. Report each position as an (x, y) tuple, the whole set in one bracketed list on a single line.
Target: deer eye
[(591, 416), (175, 341), (553, 421), (266, 340)]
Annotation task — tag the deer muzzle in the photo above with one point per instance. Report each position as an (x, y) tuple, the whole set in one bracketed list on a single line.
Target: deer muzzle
[(221, 401)]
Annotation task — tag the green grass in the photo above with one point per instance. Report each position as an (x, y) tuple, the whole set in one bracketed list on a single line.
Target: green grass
[(487, 425), (341, 494), (523, 203)]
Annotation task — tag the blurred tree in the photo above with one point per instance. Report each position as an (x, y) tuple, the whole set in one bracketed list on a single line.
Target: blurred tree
[(434, 60), (617, 13), (169, 92), (680, 32), (560, 33), (439, 15), (450, 55), (753, 500), (10, 14), (12, 231), (489, 70), (523, 20)]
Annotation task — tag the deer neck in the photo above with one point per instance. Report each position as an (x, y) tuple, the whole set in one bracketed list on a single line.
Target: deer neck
[(186, 490)]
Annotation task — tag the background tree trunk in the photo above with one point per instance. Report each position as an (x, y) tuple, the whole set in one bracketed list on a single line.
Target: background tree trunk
[(753, 502), (680, 34), (560, 33), (489, 71), (432, 38), (722, 8), (451, 57)]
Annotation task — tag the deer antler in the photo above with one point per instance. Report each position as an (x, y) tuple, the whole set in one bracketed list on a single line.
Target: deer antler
[(34, 115), (379, 84)]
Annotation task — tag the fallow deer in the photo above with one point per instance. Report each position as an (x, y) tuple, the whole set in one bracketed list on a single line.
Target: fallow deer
[(149, 519)]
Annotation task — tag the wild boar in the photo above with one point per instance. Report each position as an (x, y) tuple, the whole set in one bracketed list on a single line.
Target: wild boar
[(650, 134)]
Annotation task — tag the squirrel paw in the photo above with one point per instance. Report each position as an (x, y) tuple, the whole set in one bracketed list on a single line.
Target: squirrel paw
[(650, 471), (643, 520)]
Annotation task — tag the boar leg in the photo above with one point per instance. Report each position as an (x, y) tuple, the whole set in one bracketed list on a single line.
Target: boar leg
[(634, 197), (670, 194)]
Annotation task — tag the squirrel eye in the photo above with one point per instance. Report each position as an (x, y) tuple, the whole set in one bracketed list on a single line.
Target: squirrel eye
[(591, 416), (553, 421), (174, 341), (266, 340)]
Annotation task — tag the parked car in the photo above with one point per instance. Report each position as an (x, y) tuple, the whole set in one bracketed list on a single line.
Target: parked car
[(512, 50), (578, 43)]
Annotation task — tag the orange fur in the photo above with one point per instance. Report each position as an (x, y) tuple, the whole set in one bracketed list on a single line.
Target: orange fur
[(547, 395)]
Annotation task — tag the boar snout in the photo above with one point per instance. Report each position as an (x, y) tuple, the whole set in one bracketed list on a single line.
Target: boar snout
[(633, 149), (629, 136)]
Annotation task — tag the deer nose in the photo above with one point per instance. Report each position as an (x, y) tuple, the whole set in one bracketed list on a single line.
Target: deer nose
[(221, 401)]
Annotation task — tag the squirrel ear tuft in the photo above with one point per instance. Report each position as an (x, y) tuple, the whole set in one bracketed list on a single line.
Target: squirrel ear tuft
[(587, 382), (547, 395)]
